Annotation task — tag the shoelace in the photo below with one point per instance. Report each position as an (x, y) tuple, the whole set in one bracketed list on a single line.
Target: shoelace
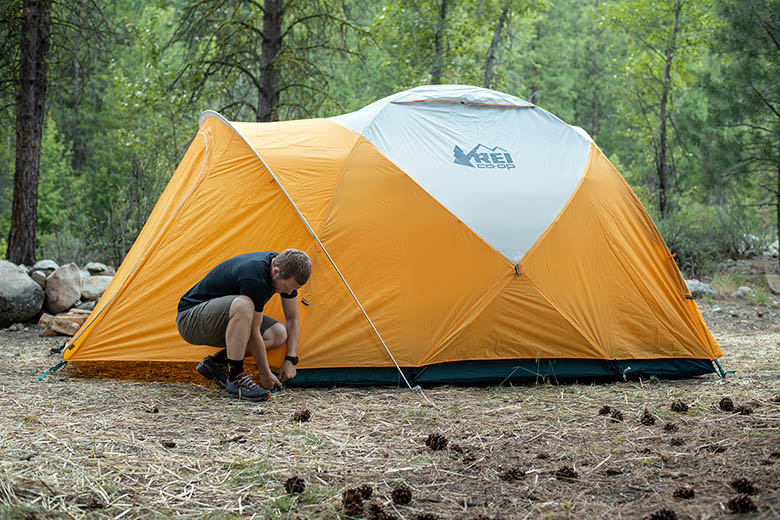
[(245, 380)]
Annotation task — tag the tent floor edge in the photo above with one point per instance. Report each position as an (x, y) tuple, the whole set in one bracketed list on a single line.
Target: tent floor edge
[(519, 371)]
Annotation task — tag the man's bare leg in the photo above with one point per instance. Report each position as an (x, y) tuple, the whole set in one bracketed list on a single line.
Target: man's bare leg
[(239, 327), (275, 336)]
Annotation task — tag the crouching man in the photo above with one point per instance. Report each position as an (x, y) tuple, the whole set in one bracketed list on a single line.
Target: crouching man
[(225, 309)]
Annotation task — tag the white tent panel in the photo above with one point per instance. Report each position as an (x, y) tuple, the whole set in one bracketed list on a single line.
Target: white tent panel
[(505, 171)]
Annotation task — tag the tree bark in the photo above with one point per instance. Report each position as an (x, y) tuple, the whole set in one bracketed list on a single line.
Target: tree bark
[(438, 45), (594, 121), (662, 169), (535, 44), (491, 57), (30, 114), (268, 95)]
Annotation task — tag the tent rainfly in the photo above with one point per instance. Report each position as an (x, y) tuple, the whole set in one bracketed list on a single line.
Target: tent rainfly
[(458, 235)]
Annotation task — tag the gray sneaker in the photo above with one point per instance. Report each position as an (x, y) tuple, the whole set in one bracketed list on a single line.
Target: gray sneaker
[(213, 371), (243, 387)]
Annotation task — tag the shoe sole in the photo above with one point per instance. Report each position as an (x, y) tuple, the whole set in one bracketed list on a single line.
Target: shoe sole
[(208, 374), (242, 397)]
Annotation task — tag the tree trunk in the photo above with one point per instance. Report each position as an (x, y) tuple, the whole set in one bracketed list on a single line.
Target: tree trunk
[(268, 95), (30, 114), (661, 167), (777, 195), (535, 66), (438, 45), (491, 57), (77, 159), (594, 121)]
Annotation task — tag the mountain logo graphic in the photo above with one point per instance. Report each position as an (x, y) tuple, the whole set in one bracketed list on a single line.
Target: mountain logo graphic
[(484, 157)]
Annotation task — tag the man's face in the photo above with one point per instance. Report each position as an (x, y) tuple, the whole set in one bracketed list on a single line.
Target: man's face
[(285, 286)]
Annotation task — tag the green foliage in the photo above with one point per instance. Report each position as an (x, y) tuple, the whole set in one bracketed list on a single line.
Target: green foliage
[(702, 235), (123, 104)]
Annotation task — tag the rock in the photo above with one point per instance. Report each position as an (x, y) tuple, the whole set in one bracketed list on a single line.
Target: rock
[(772, 249), (49, 266), (16, 327), (92, 287), (96, 268), (40, 278), (774, 283), (698, 288), (741, 292), (20, 297), (87, 306), (63, 288), (745, 266)]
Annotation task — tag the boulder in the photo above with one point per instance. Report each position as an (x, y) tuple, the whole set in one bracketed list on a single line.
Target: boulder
[(20, 297), (741, 292), (698, 288), (49, 266), (63, 288), (96, 268), (92, 287), (87, 306), (40, 278), (774, 282)]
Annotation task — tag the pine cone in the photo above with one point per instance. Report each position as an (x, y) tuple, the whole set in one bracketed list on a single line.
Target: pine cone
[(726, 404), (616, 416), (743, 485), (663, 514), (605, 410), (566, 473), (402, 495), (352, 496), (353, 509), (294, 485), (683, 492), (679, 406), (425, 516), (647, 419), (741, 504), (436, 442), (302, 416), (670, 427), (512, 474), (365, 491)]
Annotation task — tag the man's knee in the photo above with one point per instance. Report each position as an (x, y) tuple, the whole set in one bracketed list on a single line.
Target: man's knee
[(275, 336), (242, 307)]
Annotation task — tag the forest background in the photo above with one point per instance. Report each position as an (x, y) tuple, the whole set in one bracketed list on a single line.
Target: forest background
[(682, 95)]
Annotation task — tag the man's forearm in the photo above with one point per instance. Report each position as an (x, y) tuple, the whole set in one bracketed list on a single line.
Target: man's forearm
[(293, 333), (257, 348)]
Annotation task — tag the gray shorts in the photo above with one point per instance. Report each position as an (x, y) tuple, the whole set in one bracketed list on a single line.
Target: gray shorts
[(206, 323)]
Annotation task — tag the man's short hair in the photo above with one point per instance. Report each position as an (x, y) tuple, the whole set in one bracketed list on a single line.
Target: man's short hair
[(294, 263)]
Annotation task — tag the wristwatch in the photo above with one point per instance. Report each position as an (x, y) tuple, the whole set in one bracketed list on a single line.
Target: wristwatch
[(291, 359)]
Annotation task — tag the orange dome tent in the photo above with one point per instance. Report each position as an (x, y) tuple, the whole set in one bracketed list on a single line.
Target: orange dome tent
[(461, 234)]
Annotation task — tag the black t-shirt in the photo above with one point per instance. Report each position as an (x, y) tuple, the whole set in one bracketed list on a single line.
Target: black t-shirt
[(248, 275)]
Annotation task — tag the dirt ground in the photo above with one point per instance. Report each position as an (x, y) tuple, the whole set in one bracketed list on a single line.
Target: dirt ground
[(154, 441)]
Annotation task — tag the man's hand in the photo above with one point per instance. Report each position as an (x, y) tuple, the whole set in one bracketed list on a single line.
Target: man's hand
[(287, 371), (269, 381)]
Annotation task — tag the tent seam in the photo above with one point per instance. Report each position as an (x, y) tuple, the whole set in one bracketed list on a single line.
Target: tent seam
[(568, 318)]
